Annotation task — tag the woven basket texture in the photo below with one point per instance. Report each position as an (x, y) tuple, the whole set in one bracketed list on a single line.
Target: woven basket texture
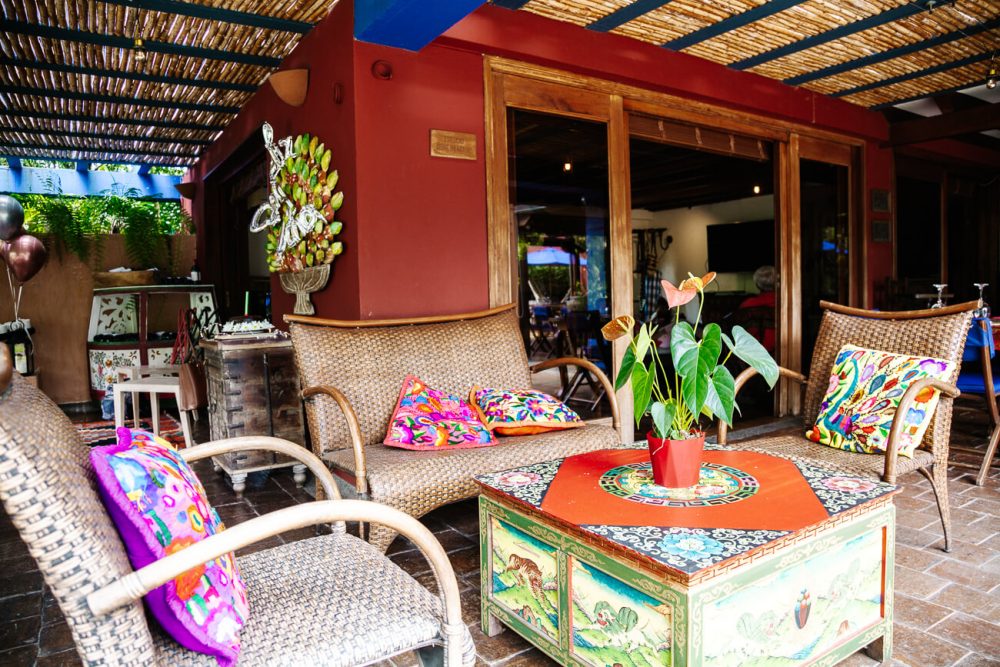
[(49, 492), (369, 364), (418, 482), (332, 600)]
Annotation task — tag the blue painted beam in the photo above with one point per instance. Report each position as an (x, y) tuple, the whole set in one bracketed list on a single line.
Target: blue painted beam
[(35, 180), (876, 58), (961, 62), (888, 16), (625, 14), (117, 120), (118, 99), (84, 149), (732, 23), (85, 37), (216, 14), (144, 169), (131, 76), (14, 162), (82, 165), (109, 137), (510, 4), (408, 24)]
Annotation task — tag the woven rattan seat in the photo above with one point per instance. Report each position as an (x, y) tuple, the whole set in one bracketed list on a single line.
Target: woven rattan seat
[(331, 600), (352, 372), (359, 604), (938, 333)]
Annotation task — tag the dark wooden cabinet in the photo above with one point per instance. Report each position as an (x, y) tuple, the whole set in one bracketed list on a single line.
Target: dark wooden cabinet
[(253, 389)]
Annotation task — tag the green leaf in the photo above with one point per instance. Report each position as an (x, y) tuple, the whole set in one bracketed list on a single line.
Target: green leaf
[(642, 342), (722, 394), (710, 347), (628, 361), (694, 390), (753, 353), (663, 417), (642, 389), (684, 349)]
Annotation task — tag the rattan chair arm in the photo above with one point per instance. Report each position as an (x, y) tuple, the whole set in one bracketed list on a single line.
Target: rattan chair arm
[(353, 425), (136, 584), (609, 388), (742, 379), (258, 442), (892, 446)]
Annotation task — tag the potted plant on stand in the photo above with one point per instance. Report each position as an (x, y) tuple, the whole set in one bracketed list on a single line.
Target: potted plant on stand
[(701, 384)]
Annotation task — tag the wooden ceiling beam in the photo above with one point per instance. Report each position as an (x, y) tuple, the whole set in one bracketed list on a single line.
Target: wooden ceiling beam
[(216, 14), (896, 13), (731, 23), (117, 99), (943, 67), (110, 137), (131, 76), (123, 120), (128, 43), (876, 58), (7, 145), (923, 96), (966, 121), (56, 158)]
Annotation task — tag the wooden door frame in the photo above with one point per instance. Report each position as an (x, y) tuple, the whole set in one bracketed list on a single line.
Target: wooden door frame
[(512, 83)]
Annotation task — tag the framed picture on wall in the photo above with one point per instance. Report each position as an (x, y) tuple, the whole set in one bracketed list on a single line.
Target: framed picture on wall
[(881, 231), (881, 201)]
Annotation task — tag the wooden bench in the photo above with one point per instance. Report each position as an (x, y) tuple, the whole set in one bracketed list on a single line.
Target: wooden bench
[(352, 371)]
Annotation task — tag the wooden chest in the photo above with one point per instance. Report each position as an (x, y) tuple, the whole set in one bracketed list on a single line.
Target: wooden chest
[(253, 389)]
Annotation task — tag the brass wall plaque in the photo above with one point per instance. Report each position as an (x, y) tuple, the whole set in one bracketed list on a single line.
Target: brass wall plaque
[(457, 145)]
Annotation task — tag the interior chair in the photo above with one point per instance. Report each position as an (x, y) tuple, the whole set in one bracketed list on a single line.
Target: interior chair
[(327, 600), (977, 377), (939, 333), (584, 330)]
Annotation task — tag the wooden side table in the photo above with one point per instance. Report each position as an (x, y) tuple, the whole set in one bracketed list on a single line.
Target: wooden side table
[(253, 389)]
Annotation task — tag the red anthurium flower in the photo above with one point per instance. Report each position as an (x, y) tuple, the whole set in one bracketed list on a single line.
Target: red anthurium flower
[(689, 287)]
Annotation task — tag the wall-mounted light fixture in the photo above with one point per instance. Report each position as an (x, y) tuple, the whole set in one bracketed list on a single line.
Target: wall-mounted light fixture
[(991, 78), (382, 69), (756, 189), (567, 167), (290, 85), (139, 47)]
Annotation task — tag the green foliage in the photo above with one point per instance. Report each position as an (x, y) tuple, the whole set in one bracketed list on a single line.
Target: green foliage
[(701, 385)]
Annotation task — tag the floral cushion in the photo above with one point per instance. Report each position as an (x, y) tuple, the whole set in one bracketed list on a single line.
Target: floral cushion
[(159, 508), (522, 411), (864, 392), (429, 419)]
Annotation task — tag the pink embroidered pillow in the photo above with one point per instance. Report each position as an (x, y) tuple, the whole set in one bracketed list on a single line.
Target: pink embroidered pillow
[(522, 411), (159, 508), (428, 419)]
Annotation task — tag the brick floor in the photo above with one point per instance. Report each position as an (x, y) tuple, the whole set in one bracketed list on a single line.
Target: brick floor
[(947, 605)]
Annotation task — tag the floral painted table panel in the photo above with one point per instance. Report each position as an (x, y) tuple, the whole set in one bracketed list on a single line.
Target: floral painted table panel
[(786, 562)]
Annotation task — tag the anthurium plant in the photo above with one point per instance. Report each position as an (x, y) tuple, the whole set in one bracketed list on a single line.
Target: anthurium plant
[(701, 384)]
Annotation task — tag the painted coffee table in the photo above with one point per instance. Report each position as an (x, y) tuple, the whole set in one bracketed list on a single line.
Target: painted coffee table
[(768, 561)]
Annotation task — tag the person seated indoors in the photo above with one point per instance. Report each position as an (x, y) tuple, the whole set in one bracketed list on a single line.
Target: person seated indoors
[(756, 312)]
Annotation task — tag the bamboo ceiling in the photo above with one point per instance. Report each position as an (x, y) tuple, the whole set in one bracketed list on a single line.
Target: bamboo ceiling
[(870, 52), (72, 87)]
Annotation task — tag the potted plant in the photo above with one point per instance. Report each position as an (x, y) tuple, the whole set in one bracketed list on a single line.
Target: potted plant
[(701, 384)]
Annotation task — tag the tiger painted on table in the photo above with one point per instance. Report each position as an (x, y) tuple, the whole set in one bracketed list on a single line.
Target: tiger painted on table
[(525, 568)]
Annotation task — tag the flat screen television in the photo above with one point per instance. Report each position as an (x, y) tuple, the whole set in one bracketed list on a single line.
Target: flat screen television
[(740, 246)]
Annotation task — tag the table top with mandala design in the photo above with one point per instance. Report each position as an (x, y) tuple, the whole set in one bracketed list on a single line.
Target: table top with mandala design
[(743, 501)]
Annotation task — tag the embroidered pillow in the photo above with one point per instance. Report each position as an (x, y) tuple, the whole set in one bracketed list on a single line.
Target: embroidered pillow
[(522, 411), (429, 419), (865, 389), (159, 508)]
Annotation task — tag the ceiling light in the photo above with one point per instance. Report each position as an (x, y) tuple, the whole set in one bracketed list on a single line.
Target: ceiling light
[(567, 166), (756, 189), (991, 80), (140, 50)]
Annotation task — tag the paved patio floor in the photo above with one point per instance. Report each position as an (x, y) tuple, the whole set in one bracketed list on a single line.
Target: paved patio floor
[(947, 605)]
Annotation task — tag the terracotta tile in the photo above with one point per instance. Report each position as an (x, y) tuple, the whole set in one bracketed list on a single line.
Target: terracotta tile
[(917, 559), (530, 658), (963, 573), (972, 633), (408, 659), (400, 544), (465, 561), (412, 562), (859, 659), (917, 648), (493, 649), (20, 584), (915, 538), (907, 502), (21, 606), (55, 638), (13, 548), (23, 656), (976, 555), (471, 601), (917, 520), (918, 614), (268, 543), (969, 601), (917, 584), (65, 659), (976, 660), (21, 631)]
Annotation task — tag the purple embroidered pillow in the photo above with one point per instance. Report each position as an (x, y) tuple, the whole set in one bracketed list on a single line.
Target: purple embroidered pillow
[(429, 419), (159, 507), (522, 411)]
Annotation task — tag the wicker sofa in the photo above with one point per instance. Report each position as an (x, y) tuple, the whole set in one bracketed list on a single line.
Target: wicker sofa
[(352, 371)]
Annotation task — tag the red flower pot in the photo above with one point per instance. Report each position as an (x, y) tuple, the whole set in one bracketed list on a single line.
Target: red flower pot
[(676, 463)]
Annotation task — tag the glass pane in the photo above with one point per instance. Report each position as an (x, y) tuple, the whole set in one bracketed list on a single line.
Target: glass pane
[(918, 247), (825, 262), (558, 169)]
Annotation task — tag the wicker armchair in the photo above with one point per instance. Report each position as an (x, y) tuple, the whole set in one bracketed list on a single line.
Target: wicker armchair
[(937, 333), (352, 372), (327, 600)]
